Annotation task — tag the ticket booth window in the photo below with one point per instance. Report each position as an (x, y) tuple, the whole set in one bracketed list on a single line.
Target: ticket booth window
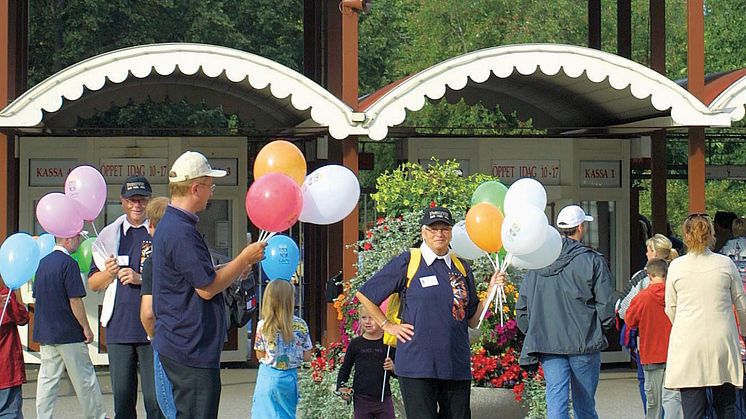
[(216, 225), (601, 233)]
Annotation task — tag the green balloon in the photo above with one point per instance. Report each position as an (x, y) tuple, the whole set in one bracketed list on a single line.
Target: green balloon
[(84, 255), (492, 192)]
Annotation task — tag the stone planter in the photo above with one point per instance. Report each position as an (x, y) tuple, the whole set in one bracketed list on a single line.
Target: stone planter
[(495, 403)]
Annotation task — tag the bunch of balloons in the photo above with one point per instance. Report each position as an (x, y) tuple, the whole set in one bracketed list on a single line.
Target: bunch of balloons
[(512, 219), (282, 194), (63, 215)]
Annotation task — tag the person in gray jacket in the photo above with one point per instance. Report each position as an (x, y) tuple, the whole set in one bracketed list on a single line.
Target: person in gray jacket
[(563, 310)]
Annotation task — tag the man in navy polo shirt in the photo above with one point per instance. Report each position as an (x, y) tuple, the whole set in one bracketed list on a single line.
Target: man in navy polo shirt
[(187, 291), (432, 357), (61, 328), (126, 341)]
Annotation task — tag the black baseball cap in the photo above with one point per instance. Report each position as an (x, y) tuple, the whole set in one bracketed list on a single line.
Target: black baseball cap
[(136, 185), (436, 215)]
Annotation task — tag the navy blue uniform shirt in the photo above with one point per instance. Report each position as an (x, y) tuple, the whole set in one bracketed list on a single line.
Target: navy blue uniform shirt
[(57, 281), (125, 325), (189, 329), (439, 313)]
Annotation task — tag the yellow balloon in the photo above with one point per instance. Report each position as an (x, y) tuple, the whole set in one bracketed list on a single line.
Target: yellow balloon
[(483, 223), (281, 156)]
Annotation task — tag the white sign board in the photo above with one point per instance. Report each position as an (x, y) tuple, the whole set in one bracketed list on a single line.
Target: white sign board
[(115, 171), (50, 172), (230, 166), (601, 173), (545, 171)]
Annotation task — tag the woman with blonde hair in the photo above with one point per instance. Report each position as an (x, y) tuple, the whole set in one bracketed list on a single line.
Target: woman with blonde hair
[(658, 247), (282, 344), (702, 289)]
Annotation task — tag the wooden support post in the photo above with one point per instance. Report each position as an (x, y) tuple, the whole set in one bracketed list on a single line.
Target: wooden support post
[(594, 24), (342, 59), (659, 166), (13, 63), (696, 85)]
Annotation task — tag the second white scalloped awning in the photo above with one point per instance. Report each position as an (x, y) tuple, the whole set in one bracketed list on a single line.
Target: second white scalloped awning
[(257, 89), (561, 87)]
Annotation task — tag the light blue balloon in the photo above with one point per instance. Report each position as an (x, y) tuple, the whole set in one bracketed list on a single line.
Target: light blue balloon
[(46, 244), (281, 258), (19, 258)]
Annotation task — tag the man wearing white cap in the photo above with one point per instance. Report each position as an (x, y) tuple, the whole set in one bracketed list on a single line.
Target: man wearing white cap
[(563, 310), (187, 291)]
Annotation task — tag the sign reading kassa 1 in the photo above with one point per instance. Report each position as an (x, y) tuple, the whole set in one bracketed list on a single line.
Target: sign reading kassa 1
[(545, 171)]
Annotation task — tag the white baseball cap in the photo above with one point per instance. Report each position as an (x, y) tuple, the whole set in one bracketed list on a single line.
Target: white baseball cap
[(192, 165), (572, 216)]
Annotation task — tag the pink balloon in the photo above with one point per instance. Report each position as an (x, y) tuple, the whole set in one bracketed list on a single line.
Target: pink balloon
[(58, 214), (87, 188), (274, 202)]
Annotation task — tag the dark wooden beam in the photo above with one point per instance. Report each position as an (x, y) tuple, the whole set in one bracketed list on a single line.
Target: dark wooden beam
[(696, 85), (624, 28), (594, 24), (13, 66), (659, 166)]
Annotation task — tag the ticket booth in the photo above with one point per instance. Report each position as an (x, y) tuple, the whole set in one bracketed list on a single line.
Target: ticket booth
[(46, 161), (593, 173)]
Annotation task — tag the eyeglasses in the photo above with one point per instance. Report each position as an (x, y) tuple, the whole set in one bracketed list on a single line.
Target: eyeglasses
[(442, 230), (697, 214), (133, 201), (212, 187)]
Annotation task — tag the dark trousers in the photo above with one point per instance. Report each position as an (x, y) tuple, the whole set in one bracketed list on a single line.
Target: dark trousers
[(196, 390), (428, 398), (694, 401), (125, 360), (367, 407)]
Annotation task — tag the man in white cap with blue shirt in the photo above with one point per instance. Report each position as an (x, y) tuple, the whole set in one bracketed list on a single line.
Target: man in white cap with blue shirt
[(563, 310), (190, 326)]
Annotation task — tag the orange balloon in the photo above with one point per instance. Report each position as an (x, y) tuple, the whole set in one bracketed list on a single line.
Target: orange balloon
[(483, 223), (281, 156)]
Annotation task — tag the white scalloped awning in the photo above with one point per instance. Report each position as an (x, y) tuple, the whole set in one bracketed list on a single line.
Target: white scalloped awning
[(558, 86), (257, 89), (732, 99)]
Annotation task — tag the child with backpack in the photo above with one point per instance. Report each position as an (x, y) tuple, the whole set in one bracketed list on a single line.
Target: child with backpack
[(647, 313), (373, 362), (282, 344)]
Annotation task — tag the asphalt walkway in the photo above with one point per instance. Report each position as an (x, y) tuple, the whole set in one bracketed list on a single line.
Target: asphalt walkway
[(617, 395)]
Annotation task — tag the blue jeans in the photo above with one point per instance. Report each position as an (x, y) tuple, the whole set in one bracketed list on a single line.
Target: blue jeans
[(164, 391), (576, 373), (11, 403)]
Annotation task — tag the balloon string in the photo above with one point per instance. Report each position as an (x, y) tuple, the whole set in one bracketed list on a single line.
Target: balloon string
[(491, 261), (269, 236), (94, 228), (5, 306), (383, 387), (487, 305), (500, 302)]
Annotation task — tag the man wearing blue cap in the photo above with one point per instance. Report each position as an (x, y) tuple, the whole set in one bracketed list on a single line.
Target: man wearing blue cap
[(126, 341)]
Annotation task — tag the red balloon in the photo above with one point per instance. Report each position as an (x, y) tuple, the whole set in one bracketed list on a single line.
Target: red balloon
[(274, 202)]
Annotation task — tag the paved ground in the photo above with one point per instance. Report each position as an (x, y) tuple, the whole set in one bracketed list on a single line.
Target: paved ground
[(617, 396)]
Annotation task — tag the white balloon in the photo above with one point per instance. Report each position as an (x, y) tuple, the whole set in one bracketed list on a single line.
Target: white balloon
[(525, 191), (524, 230), (544, 255), (330, 193), (462, 244)]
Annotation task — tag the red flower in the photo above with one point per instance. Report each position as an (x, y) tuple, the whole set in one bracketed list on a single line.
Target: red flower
[(367, 246), (433, 204)]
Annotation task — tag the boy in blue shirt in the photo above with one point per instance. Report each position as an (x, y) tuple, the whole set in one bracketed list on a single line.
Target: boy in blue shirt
[(61, 327)]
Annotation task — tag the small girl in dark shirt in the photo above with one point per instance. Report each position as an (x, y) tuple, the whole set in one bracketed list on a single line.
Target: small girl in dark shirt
[(369, 356)]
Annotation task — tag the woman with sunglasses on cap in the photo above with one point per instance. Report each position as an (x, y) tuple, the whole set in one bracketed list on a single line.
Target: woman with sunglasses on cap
[(702, 290)]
